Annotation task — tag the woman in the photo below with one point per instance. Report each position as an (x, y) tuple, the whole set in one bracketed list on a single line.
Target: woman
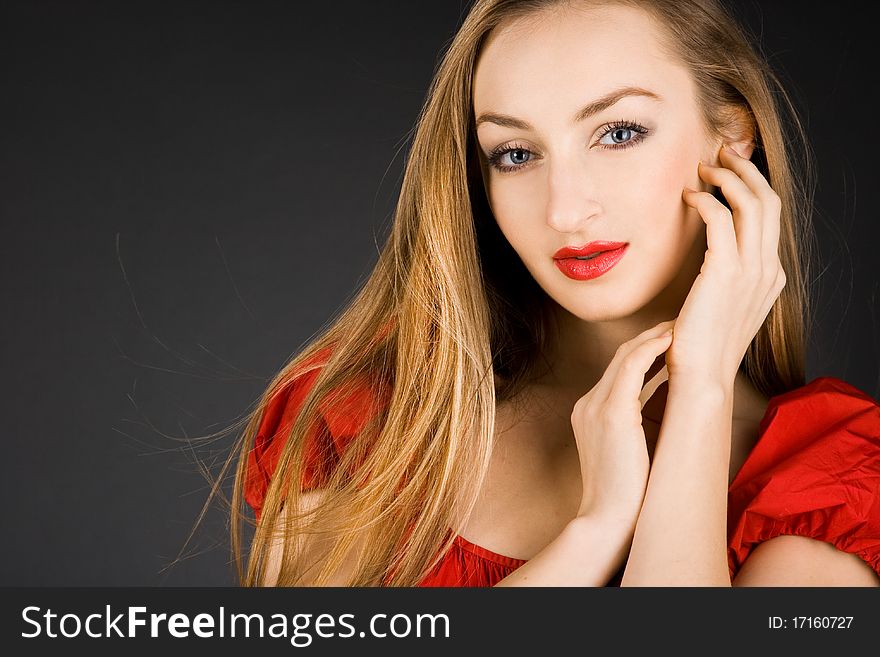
[(646, 421)]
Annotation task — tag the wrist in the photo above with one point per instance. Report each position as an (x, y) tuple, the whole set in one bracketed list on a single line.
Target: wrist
[(601, 531), (604, 541), (701, 385)]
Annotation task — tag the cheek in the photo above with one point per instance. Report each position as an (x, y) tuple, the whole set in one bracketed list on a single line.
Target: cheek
[(514, 211), (661, 201), (668, 231)]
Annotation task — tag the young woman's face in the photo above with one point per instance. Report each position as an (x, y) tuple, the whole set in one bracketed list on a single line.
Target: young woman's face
[(616, 174)]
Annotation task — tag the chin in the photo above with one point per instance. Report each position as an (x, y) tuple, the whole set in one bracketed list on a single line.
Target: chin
[(596, 314), (604, 307)]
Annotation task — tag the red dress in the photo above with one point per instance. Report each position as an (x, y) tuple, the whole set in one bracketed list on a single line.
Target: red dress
[(815, 471)]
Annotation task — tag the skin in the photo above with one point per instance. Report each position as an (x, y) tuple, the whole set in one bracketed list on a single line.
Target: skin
[(572, 187), (570, 190), (713, 272), (710, 272)]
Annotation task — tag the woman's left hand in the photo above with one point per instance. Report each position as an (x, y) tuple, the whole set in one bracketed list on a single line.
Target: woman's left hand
[(741, 276)]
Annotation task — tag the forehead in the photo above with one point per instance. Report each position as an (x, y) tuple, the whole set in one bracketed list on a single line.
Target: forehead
[(564, 56)]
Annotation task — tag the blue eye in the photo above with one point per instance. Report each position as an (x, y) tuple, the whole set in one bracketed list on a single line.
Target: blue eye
[(516, 157), (623, 134), (619, 135)]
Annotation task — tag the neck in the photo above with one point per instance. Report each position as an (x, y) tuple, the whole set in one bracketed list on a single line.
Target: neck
[(579, 353)]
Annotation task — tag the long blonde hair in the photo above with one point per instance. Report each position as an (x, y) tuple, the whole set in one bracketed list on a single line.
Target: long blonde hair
[(450, 322)]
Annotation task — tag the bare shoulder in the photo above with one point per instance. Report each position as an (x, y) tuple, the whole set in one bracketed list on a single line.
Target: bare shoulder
[(314, 550), (802, 561)]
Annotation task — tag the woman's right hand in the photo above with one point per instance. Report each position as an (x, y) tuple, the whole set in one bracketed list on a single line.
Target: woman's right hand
[(607, 424)]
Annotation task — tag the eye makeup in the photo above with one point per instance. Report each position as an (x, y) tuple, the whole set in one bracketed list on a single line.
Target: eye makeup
[(635, 130)]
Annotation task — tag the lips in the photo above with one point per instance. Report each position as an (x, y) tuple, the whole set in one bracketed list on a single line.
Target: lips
[(572, 261), (592, 248)]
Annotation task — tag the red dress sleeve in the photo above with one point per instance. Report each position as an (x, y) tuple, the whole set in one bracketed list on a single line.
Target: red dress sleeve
[(815, 472), (338, 423)]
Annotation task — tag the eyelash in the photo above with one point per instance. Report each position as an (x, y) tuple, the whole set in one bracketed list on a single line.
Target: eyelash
[(639, 135)]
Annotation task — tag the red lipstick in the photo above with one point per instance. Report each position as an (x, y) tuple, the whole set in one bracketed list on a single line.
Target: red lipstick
[(603, 255)]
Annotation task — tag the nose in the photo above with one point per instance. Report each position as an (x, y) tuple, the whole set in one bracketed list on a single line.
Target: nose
[(572, 200)]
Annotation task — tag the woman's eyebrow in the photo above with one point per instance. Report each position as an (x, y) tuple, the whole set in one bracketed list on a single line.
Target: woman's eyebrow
[(586, 111)]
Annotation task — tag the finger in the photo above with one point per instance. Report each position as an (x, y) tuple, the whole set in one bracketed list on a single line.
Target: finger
[(627, 392), (770, 239), (747, 209), (602, 389), (651, 386), (772, 231), (760, 187), (720, 233), (748, 173)]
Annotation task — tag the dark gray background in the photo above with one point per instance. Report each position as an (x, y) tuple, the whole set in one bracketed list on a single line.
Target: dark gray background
[(190, 190)]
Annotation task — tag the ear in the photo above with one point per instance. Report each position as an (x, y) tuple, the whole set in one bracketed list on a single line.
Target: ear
[(744, 147), (738, 132)]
